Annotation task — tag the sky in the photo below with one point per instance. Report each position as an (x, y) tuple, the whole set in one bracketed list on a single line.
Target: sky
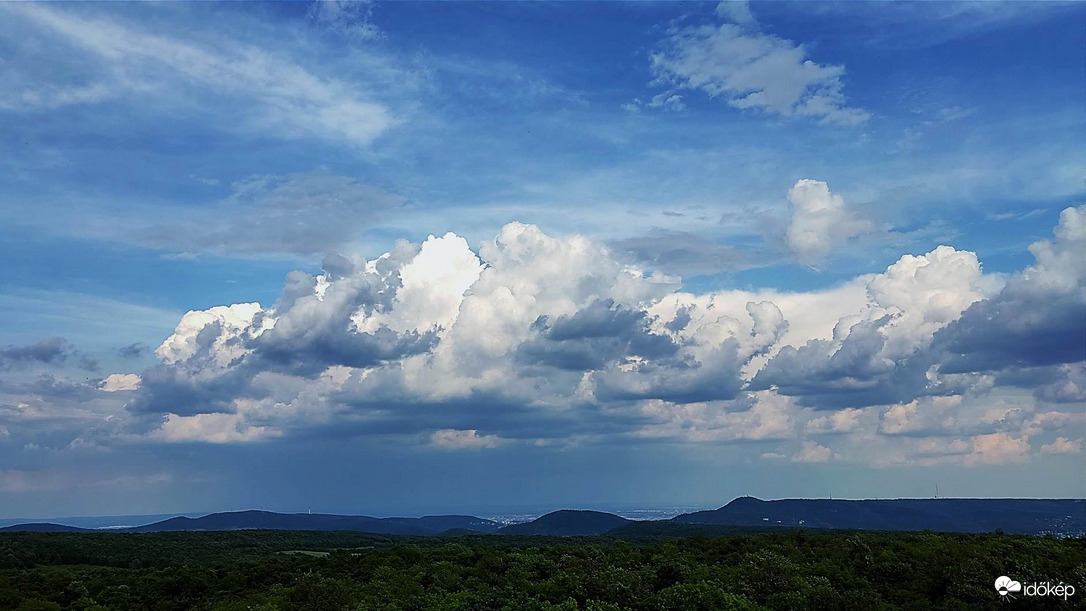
[(407, 258)]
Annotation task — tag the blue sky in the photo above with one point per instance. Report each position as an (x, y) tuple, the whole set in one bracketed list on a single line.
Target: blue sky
[(636, 253)]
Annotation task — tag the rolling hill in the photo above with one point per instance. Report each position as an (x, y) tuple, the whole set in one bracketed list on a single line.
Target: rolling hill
[(1022, 516), (567, 522), (235, 520), (44, 527), (1063, 517)]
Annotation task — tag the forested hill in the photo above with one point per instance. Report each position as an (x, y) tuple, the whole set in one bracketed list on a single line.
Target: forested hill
[(44, 527), (1062, 517), (236, 520), (568, 523), (267, 520), (1024, 516)]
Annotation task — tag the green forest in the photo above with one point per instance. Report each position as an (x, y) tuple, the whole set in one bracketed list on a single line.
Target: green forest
[(347, 570)]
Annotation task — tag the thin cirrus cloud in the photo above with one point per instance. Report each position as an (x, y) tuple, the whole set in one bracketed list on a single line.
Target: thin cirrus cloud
[(303, 214), (282, 216), (347, 17), (118, 61)]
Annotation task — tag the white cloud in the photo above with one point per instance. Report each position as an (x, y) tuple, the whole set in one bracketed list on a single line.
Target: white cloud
[(547, 337), (997, 449), (536, 320), (287, 100), (820, 221), (754, 70), (812, 452), (1051, 421), (919, 415), (864, 361), (755, 417), (988, 449), (666, 101), (432, 287), (470, 439), (118, 382), (49, 97), (352, 18), (926, 293), (1069, 386), (210, 428), (736, 11), (841, 421), (1037, 319), (1063, 445), (186, 340)]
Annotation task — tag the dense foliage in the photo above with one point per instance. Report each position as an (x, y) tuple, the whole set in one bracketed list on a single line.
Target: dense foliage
[(289, 570)]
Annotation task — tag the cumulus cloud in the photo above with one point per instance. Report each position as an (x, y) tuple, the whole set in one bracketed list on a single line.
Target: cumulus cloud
[(972, 413), (841, 421), (667, 101), (878, 355), (51, 350), (753, 417), (753, 70), (545, 339), (132, 351), (998, 448), (452, 439), (593, 337), (1042, 422), (986, 449), (812, 452), (1068, 383), (210, 428), (820, 221), (919, 415), (118, 382), (531, 320), (1038, 318), (1063, 445)]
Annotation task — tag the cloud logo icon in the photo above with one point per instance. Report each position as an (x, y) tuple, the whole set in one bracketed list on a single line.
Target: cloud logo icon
[(1005, 585)]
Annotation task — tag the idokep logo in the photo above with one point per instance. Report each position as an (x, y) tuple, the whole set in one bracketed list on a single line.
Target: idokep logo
[(1007, 587)]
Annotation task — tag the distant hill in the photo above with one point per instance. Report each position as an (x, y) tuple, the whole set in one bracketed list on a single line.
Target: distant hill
[(92, 522), (236, 520), (1022, 516), (1063, 517), (247, 520), (441, 524), (567, 522), (44, 527)]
